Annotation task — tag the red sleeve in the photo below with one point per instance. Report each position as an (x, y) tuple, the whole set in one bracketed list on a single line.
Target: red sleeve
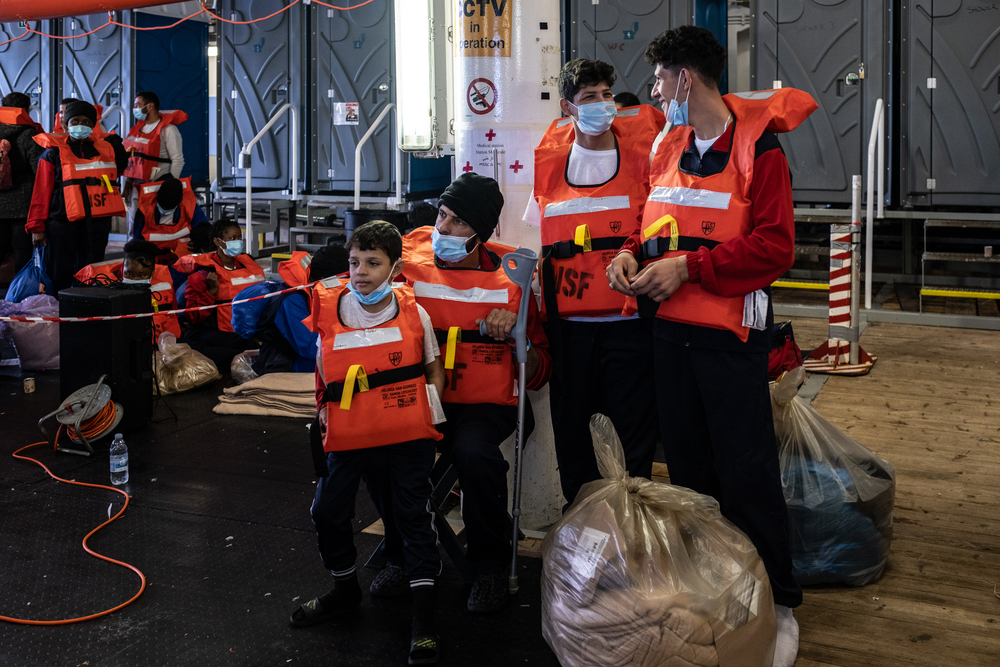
[(320, 389), (196, 294), (748, 263), (536, 334), (41, 197)]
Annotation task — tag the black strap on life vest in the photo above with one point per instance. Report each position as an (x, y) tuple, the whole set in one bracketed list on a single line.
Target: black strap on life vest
[(656, 246), (566, 249), (335, 390), (144, 156), (468, 336)]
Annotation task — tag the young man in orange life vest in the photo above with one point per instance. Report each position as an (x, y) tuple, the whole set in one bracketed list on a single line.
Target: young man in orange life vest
[(591, 174), (75, 195), (378, 373), (216, 279), (717, 230), (456, 274)]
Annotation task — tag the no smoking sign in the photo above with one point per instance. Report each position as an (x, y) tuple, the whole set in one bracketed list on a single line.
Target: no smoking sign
[(481, 96)]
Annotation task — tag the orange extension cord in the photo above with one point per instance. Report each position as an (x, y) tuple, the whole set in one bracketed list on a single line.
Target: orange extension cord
[(86, 429)]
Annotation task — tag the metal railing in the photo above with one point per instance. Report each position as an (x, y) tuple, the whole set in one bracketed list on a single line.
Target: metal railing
[(877, 136), (246, 162), (357, 161)]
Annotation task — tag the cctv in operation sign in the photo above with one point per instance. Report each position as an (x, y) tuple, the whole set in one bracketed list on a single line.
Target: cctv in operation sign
[(484, 28)]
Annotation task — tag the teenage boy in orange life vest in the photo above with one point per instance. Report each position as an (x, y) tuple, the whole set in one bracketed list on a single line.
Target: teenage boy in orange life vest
[(717, 229), (378, 373), (216, 279)]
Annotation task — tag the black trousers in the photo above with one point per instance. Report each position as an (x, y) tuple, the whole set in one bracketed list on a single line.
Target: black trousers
[(718, 434), (472, 438), (400, 471), (605, 369), (72, 246), (13, 239)]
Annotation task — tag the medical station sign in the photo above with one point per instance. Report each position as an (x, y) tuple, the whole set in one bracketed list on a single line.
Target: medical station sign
[(484, 28)]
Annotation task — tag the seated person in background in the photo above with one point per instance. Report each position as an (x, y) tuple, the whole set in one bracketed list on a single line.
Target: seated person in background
[(286, 345), (623, 100), (168, 209), (139, 268), (216, 279)]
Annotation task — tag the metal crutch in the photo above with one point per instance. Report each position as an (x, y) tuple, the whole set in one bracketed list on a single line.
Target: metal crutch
[(519, 266)]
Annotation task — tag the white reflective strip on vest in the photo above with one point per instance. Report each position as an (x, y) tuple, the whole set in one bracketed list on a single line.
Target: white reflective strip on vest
[(691, 197), (367, 338), (247, 280), (564, 122), (582, 205), (756, 94), (160, 287), (626, 113), (183, 234), (446, 293), (151, 188), (95, 165), (139, 140)]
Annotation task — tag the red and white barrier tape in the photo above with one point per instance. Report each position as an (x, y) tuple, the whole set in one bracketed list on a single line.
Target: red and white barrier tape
[(133, 316)]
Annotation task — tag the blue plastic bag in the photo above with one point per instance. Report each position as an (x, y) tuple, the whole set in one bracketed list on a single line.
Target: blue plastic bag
[(247, 315), (26, 282)]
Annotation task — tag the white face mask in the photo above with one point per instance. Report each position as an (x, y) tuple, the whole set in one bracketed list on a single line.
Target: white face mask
[(129, 281)]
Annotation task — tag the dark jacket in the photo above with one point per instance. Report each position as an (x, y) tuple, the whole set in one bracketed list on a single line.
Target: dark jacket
[(24, 156)]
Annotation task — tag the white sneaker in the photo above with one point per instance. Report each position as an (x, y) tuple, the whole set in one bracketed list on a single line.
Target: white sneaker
[(786, 649)]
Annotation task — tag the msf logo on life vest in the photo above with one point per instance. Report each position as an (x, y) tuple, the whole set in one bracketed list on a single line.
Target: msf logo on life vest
[(575, 282), (616, 226), (707, 227), (395, 358), (99, 199)]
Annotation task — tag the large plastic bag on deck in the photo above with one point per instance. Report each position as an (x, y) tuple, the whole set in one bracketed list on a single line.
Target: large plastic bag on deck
[(839, 494), (241, 368), (643, 573), (179, 368), (37, 343)]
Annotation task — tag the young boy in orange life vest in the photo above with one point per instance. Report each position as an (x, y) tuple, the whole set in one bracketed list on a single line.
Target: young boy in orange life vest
[(378, 373)]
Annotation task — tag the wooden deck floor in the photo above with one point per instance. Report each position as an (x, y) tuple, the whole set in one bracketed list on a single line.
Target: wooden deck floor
[(931, 407)]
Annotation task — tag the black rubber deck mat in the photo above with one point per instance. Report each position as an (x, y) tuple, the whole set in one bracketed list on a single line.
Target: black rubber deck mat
[(219, 524)]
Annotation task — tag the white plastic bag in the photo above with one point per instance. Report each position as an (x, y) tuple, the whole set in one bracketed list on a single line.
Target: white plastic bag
[(241, 367), (37, 343), (179, 368), (641, 573), (839, 494)]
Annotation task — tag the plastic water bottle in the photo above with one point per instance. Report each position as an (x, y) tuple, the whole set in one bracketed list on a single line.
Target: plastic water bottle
[(119, 461)]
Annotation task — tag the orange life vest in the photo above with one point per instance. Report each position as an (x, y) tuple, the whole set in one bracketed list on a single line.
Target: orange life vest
[(583, 228), (57, 126), (161, 286), (685, 212), (231, 282), (144, 148), (90, 185), (171, 237), (478, 368), (295, 271), (17, 116), (376, 391)]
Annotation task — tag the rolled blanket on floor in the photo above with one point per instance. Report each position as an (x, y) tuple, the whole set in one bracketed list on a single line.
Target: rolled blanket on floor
[(272, 395)]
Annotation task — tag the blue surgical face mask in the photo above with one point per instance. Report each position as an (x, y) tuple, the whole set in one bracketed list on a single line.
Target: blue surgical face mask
[(376, 294), (595, 118), (677, 114), (449, 248), (80, 131), (139, 114), (166, 216), (234, 248), (129, 281)]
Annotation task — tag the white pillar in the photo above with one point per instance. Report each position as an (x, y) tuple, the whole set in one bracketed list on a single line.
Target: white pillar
[(506, 62)]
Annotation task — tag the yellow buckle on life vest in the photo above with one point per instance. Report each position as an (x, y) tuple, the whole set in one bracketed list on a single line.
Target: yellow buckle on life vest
[(355, 374), (156, 305), (107, 182), (658, 226), (582, 238), (454, 338)]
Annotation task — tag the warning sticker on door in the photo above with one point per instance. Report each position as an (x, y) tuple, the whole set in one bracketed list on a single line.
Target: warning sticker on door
[(481, 96), (346, 113)]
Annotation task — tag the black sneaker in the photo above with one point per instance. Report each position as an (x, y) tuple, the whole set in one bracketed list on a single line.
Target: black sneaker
[(489, 594), (391, 581)]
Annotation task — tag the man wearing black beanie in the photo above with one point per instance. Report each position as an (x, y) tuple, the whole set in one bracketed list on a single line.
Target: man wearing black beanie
[(75, 195), (457, 277)]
